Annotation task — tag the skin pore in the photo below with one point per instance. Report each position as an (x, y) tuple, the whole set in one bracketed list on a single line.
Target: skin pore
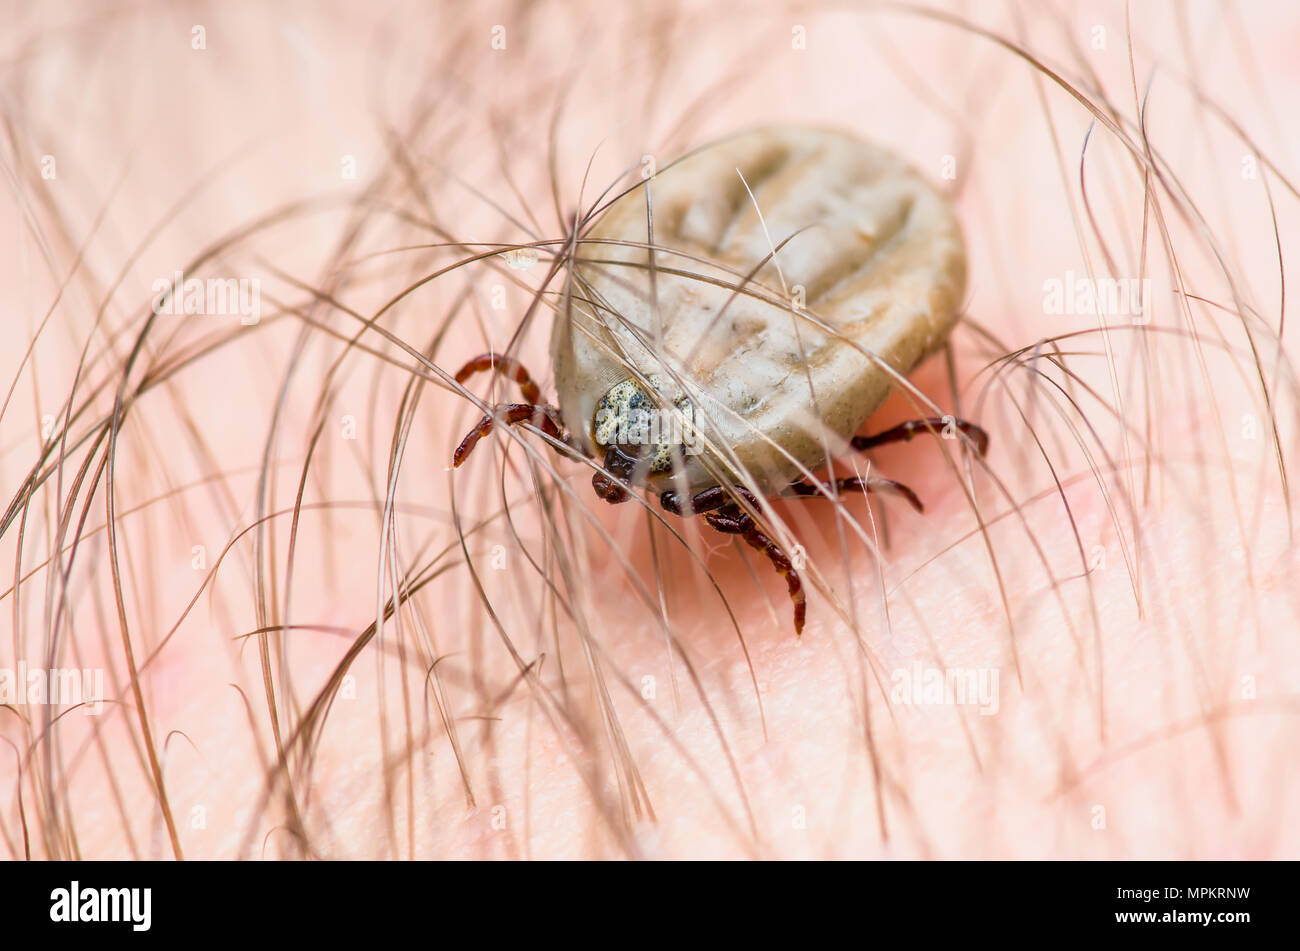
[(565, 678)]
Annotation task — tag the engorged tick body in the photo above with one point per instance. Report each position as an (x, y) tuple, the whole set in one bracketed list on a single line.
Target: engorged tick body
[(729, 326)]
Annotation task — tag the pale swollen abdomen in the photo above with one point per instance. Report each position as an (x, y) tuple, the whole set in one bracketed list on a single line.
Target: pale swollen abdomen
[(774, 355)]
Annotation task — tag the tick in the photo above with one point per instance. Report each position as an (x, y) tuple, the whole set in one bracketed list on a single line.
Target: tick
[(727, 326)]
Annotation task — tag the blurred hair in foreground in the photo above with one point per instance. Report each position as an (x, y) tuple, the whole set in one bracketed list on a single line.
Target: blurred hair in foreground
[(249, 249)]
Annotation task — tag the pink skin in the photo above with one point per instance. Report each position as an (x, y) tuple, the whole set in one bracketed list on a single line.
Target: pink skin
[(1116, 732)]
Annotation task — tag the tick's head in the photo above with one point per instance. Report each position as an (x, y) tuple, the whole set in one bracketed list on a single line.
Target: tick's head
[(642, 433)]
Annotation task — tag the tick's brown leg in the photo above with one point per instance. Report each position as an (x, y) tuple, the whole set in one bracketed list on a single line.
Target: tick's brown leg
[(510, 414), (719, 509), (718, 506), (756, 539), (904, 432), (806, 489), (706, 500), (730, 520), (507, 367)]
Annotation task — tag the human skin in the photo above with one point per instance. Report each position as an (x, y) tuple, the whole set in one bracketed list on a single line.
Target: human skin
[(1123, 570)]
